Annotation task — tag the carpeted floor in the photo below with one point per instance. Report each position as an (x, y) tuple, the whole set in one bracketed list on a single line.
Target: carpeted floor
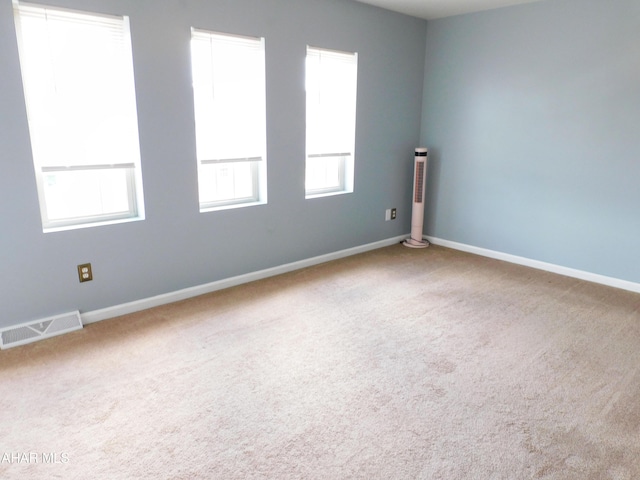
[(393, 364)]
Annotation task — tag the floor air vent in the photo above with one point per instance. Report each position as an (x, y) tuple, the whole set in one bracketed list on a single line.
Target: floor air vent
[(39, 330)]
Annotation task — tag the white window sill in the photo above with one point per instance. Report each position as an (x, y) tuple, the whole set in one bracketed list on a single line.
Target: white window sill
[(65, 228), (327, 194), (230, 206)]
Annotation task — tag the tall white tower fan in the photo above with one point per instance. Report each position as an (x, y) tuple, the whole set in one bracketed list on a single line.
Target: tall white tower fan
[(419, 186)]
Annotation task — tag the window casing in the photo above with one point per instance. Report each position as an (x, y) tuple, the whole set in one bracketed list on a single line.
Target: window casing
[(230, 118), (331, 91), (77, 72)]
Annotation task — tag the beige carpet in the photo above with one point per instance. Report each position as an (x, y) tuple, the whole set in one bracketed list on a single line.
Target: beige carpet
[(394, 364)]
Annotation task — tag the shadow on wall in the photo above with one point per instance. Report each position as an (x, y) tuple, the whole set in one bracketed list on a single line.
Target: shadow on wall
[(432, 191)]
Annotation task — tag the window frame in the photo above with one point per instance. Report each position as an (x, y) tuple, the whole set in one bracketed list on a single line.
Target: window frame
[(341, 187), (256, 164), (42, 167), (346, 162), (130, 214), (253, 199)]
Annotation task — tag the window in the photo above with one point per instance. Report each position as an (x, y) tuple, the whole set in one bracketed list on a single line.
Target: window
[(77, 73), (230, 116), (331, 84)]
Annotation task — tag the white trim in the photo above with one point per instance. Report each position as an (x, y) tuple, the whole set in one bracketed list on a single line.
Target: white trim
[(549, 267), (78, 226), (145, 303)]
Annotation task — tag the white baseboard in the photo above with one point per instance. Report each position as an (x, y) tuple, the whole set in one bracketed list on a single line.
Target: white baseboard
[(143, 304), (549, 267)]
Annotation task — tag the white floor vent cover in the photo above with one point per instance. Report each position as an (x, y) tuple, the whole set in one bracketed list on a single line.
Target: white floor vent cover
[(40, 329)]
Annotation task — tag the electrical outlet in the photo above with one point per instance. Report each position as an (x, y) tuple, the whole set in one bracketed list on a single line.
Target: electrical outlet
[(393, 214), (84, 272)]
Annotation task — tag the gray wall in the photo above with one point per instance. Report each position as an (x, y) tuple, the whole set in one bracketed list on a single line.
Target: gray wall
[(532, 114), (176, 246)]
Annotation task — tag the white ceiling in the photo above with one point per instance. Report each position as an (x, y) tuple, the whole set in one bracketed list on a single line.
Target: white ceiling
[(430, 9)]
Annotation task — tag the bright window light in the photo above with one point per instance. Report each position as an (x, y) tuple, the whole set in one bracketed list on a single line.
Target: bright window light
[(331, 86), (77, 73), (230, 117)]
